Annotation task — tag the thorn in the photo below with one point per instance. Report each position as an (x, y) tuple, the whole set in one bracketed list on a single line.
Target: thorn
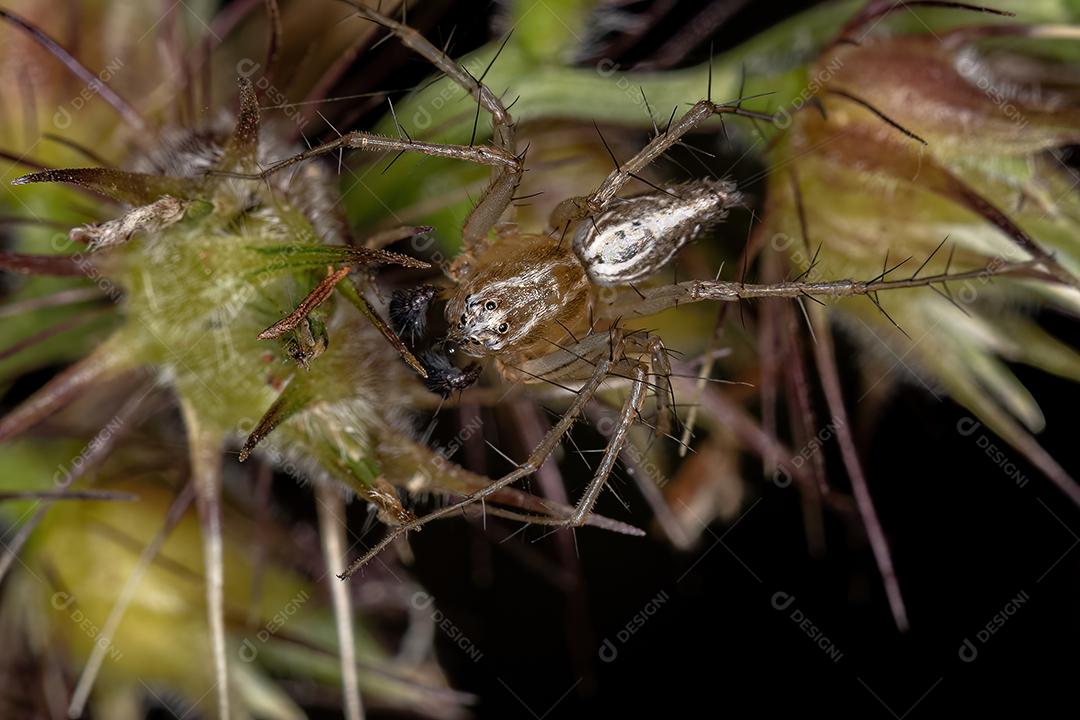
[(673, 110), (476, 118), (957, 305), (495, 56), (527, 197), (449, 39), (894, 267), (341, 151), (800, 208), (745, 259), (813, 264), (653, 185), (877, 303), (608, 148), (698, 151), (929, 257), (742, 81), (882, 116), (568, 331), (563, 236), (402, 132), (384, 38), (806, 317), (708, 95), (819, 106), (421, 88), (391, 163), (648, 111)]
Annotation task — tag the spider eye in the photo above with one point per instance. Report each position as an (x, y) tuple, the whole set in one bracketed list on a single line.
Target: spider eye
[(462, 322), (490, 305), (503, 328)]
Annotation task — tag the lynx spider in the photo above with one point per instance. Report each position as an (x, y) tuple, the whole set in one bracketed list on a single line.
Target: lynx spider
[(520, 296)]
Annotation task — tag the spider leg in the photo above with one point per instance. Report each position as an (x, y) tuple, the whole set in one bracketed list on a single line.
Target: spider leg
[(507, 173), (359, 140), (501, 122), (578, 208), (658, 299), (609, 348), (630, 409), (536, 458), (507, 166), (660, 369)]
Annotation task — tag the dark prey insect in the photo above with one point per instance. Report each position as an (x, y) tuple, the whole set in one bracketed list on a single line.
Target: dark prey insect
[(408, 311), (443, 377)]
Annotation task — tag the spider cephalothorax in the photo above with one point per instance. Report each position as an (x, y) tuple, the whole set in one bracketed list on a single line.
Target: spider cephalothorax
[(520, 295)]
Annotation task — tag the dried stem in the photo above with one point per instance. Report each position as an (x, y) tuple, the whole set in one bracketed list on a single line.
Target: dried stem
[(331, 507), (206, 444), (830, 380)]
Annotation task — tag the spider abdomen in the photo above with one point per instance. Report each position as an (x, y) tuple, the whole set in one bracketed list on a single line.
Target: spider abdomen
[(637, 236)]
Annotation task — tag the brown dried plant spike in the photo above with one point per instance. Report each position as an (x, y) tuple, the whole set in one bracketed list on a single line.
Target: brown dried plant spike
[(315, 298), (54, 265), (242, 146), (291, 401), (361, 303), (128, 187), (111, 495)]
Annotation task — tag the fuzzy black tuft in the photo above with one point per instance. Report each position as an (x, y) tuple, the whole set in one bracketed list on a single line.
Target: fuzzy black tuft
[(408, 311), (443, 376)]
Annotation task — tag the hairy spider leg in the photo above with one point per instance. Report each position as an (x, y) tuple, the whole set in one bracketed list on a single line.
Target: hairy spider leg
[(609, 350), (507, 166), (578, 208), (536, 458)]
